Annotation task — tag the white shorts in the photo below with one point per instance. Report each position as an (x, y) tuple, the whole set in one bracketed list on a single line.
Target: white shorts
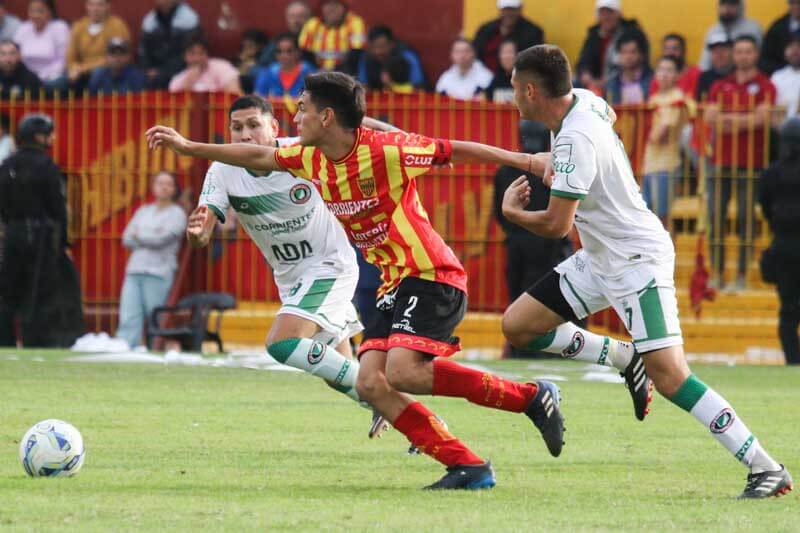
[(643, 298), (325, 297)]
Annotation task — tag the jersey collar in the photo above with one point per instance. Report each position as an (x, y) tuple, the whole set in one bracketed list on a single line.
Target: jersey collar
[(254, 174), (571, 107), (353, 149)]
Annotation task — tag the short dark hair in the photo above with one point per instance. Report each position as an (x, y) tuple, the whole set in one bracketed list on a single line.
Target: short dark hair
[(50, 4), (255, 35), (249, 101), (341, 93), (380, 31), (549, 66), (287, 36), (398, 69), (747, 38), (675, 37), (632, 37), (196, 39), (9, 41)]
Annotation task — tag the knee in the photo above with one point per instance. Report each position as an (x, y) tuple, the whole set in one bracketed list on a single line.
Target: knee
[(398, 376), (371, 385), (519, 332), (667, 382)]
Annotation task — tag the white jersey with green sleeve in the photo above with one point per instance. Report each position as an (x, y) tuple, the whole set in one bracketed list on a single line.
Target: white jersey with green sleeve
[(288, 221), (616, 228)]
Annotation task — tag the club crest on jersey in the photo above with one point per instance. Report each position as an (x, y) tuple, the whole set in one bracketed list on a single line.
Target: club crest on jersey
[(722, 421), (575, 346), (300, 193), (367, 186), (316, 353)]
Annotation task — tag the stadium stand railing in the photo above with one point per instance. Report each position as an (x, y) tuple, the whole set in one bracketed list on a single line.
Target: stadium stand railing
[(100, 146)]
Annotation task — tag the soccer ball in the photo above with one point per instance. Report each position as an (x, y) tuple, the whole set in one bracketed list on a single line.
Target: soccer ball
[(52, 448)]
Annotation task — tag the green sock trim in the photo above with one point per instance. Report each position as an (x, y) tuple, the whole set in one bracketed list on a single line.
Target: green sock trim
[(339, 387), (604, 352), (689, 394), (282, 350), (540, 343)]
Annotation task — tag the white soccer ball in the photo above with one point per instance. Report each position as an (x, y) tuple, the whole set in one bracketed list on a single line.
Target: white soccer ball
[(52, 448)]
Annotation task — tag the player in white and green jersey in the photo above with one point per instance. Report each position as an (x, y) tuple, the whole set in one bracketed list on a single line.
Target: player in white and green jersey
[(313, 263), (627, 261)]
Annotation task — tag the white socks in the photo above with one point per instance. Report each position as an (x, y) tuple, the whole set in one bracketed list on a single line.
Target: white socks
[(572, 342), (318, 360), (711, 410)]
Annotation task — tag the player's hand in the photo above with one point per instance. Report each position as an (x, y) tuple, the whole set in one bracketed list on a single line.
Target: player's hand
[(517, 197), (195, 227), (158, 136)]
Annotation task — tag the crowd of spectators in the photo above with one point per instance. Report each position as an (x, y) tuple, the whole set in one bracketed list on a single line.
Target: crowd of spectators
[(96, 53)]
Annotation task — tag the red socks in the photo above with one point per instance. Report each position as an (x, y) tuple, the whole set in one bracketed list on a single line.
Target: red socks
[(424, 431), (482, 388)]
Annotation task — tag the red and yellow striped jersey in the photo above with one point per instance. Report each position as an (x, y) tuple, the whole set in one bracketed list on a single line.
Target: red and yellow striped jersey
[(332, 43), (373, 194)]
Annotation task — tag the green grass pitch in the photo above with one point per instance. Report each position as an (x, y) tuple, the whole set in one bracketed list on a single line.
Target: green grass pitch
[(185, 448)]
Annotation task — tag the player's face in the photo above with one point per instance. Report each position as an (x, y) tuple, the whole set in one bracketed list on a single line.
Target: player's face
[(523, 97), (254, 127), (309, 120)]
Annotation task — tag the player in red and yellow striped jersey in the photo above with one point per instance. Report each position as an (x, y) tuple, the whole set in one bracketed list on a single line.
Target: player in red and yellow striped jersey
[(334, 35), (367, 179)]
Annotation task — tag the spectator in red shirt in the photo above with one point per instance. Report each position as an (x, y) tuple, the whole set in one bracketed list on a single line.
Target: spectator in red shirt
[(674, 45), (738, 113), (509, 25)]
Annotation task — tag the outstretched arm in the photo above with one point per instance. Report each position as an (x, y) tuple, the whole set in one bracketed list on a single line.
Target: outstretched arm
[(470, 152), (244, 155)]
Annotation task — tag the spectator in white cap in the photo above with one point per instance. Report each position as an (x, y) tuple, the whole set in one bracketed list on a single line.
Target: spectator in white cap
[(733, 23), (509, 26), (598, 58)]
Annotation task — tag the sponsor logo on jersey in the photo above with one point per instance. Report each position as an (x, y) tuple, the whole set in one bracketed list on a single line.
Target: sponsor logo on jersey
[(722, 421), (412, 160), (371, 237), (316, 353), (300, 193), (367, 186), (349, 208), (289, 226), (575, 346), (561, 167)]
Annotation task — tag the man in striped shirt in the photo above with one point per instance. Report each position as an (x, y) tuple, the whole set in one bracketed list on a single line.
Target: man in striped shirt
[(367, 179), (332, 37)]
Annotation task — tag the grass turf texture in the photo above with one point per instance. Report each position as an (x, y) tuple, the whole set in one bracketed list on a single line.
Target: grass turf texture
[(184, 448)]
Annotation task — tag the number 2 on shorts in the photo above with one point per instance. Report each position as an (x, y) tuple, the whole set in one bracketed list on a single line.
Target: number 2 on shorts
[(412, 304)]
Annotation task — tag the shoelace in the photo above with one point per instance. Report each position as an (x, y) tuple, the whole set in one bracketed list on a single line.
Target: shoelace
[(753, 480)]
